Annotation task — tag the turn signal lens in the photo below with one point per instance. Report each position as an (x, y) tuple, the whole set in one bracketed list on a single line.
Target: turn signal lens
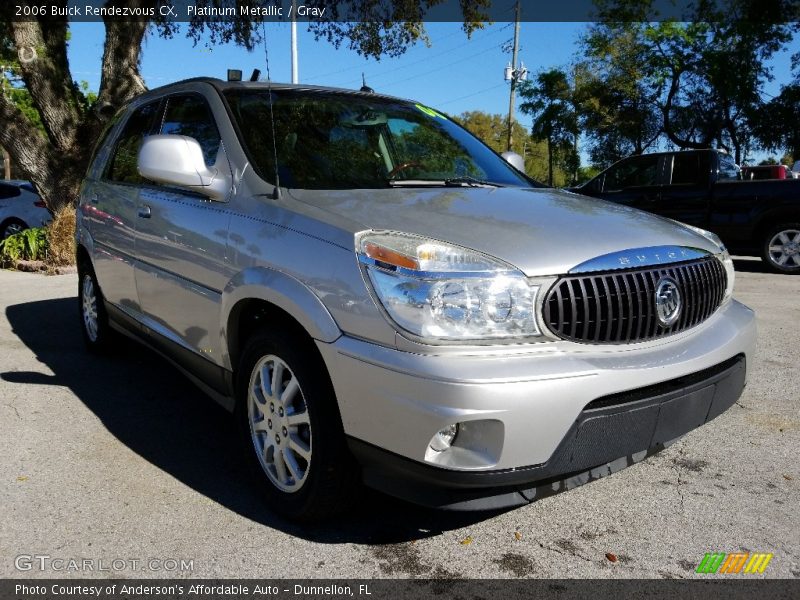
[(388, 256)]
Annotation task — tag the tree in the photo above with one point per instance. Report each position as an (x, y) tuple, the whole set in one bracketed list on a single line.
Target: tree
[(550, 102), (776, 124), (52, 144), (706, 73), (618, 110), (493, 130)]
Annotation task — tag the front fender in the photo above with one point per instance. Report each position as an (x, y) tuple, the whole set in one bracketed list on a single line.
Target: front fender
[(283, 291)]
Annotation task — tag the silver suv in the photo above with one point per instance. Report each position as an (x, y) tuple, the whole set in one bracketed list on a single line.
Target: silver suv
[(381, 298)]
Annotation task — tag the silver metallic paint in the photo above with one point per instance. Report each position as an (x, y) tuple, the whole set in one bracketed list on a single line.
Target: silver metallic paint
[(297, 252)]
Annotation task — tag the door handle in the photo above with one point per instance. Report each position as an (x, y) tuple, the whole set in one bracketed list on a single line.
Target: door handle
[(144, 212), (93, 199)]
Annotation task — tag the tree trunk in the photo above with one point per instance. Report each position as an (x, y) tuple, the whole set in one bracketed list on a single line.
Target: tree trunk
[(55, 162), (550, 161)]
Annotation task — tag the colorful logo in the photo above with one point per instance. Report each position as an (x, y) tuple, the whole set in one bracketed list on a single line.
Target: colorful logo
[(737, 562)]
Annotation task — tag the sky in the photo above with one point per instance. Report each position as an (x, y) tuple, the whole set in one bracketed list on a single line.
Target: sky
[(454, 74)]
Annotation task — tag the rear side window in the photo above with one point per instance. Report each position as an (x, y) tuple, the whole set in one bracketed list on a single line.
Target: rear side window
[(8, 191), (728, 171), (690, 169), (122, 167), (190, 116), (636, 172), (102, 139)]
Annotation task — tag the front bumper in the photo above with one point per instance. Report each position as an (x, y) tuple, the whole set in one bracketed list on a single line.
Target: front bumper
[(561, 411)]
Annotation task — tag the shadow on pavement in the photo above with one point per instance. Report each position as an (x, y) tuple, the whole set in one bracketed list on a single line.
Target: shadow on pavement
[(749, 265), (151, 408)]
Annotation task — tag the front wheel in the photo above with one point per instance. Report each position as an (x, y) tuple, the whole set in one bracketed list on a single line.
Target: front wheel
[(781, 248), (291, 429)]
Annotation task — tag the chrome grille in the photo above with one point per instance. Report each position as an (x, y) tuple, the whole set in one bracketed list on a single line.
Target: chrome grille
[(618, 307)]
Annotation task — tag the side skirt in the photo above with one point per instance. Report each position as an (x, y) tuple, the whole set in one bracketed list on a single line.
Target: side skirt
[(213, 380)]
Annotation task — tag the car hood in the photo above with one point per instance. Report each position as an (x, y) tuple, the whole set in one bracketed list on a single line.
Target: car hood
[(539, 231)]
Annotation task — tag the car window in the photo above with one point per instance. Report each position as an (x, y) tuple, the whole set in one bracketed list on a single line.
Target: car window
[(728, 171), (690, 168), (103, 138), (190, 116), (8, 191), (634, 172), (122, 167), (341, 141)]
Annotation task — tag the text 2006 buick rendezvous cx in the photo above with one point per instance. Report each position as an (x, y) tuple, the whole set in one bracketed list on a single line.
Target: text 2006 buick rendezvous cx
[(379, 297)]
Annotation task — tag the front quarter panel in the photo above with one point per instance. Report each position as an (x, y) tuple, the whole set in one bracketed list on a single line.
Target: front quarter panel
[(283, 291)]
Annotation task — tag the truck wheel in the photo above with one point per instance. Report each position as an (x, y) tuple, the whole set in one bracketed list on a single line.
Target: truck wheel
[(781, 250), (291, 430), (94, 319)]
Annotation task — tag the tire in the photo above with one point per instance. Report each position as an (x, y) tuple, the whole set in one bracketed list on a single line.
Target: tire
[(295, 448), (10, 227), (91, 307), (781, 248)]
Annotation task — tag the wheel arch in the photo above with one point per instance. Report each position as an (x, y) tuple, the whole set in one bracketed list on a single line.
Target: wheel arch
[(9, 220), (773, 219), (262, 295)]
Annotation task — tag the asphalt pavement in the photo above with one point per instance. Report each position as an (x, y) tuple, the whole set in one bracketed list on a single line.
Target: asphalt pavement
[(119, 467)]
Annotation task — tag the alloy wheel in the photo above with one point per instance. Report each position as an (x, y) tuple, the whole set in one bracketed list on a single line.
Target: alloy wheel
[(89, 307), (784, 249), (280, 427)]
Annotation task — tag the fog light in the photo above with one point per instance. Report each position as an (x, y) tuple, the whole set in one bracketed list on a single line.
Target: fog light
[(444, 438)]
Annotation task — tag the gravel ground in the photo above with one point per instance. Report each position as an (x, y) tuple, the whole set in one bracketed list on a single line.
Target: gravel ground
[(122, 459)]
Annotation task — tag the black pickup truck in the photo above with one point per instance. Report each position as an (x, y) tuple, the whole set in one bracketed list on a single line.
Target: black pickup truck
[(704, 188)]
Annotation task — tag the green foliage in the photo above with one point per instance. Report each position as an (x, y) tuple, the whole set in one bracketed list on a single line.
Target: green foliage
[(776, 123), (492, 129), (698, 82), (29, 244), (587, 173), (550, 100), (619, 112)]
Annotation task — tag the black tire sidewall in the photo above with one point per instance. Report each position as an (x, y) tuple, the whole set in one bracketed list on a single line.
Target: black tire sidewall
[(765, 249), (331, 474)]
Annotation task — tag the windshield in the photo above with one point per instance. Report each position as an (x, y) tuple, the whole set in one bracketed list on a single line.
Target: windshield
[(328, 140)]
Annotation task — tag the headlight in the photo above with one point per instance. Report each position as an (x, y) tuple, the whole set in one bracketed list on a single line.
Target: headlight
[(727, 262), (436, 290)]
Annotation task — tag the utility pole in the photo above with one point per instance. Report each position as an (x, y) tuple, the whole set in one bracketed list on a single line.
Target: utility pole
[(294, 42), (514, 76)]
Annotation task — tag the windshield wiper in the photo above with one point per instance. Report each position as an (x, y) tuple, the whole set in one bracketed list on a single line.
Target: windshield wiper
[(460, 181), (468, 180)]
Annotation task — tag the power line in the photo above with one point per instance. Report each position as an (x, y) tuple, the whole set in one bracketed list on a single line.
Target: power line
[(379, 74), (494, 87), (449, 35), (450, 64)]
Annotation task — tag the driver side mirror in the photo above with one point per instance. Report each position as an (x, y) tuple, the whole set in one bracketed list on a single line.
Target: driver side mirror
[(178, 160), (515, 160)]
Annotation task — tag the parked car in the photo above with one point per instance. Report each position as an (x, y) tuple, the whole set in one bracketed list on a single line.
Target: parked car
[(379, 297), (20, 208), (759, 172), (704, 188)]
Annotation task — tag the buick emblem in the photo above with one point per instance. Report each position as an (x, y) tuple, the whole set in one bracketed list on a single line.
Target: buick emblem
[(668, 301)]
